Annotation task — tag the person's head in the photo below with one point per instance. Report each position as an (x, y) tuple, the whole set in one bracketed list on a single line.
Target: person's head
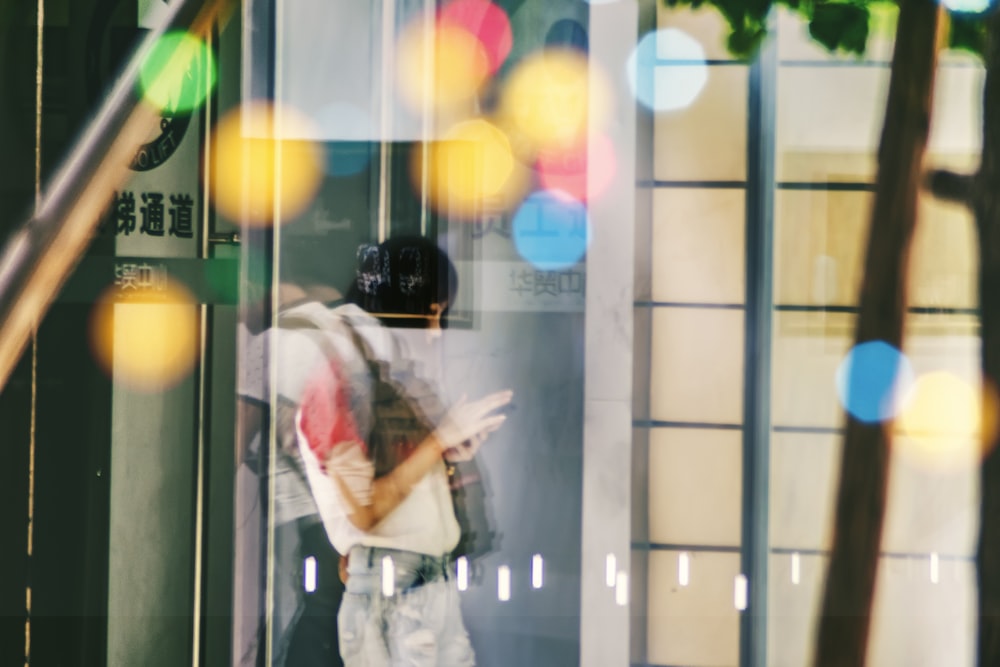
[(405, 281)]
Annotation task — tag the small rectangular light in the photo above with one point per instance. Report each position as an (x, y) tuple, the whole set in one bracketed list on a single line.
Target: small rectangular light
[(684, 569), (536, 571), (388, 577), (935, 568), (621, 589), (503, 583), (796, 568), (462, 573), (310, 574), (740, 592), (610, 570)]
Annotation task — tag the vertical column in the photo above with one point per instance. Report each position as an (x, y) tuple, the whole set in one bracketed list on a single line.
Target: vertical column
[(757, 341), (607, 464)]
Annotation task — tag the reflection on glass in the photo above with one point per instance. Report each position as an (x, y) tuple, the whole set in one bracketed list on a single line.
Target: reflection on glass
[(667, 87)]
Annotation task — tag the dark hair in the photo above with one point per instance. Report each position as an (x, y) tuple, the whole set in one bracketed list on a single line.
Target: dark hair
[(401, 279)]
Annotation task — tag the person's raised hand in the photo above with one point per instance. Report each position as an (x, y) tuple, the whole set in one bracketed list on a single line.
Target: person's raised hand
[(466, 425)]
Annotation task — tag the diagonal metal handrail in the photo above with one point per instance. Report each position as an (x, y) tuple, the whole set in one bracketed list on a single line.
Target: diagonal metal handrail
[(39, 256)]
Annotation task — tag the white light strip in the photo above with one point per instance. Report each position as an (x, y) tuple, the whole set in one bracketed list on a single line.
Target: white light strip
[(621, 589), (796, 568), (935, 568), (503, 583), (388, 577), (462, 573), (536, 571), (684, 569), (740, 592), (610, 570), (310, 575)]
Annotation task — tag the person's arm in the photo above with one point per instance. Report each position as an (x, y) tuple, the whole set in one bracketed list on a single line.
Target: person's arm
[(390, 490), (464, 422)]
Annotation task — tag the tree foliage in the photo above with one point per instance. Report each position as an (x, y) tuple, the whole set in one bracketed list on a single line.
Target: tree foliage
[(840, 26)]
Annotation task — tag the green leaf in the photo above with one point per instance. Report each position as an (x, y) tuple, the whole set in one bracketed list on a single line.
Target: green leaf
[(967, 33), (840, 27), (745, 42)]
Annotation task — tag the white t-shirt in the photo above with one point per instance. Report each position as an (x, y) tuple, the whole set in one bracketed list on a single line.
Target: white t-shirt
[(425, 521)]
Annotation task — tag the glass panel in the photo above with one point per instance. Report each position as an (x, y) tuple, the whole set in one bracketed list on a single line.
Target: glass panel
[(695, 486), (697, 366), (705, 141), (824, 131), (698, 245), (696, 624), (819, 241)]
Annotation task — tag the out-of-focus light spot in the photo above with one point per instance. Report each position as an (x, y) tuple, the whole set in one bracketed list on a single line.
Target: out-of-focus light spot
[(684, 569), (537, 565), (967, 6), (667, 87), (439, 67), (264, 169), (945, 422), (310, 574), (621, 589), (740, 592), (575, 173), (347, 159), (884, 17), (503, 583), (178, 73), (148, 346), (568, 34), (935, 568), (610, 570), (388, 577), (872, 380), (551, 230), (470, 169), (796, 568), (548, 102), (487, 22), (462, 573)]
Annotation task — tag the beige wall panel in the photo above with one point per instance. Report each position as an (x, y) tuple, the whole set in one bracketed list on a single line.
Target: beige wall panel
[(793, 605), (694, 625), (819, 240), (697, 365), (698, 245), (956, 120), (807, 349), (695, 486), (918, 623), (805, 470), (708, 140), (828, 110), (944, 260)]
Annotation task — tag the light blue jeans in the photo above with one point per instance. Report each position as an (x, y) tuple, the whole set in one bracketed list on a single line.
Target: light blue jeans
[(418, 625)]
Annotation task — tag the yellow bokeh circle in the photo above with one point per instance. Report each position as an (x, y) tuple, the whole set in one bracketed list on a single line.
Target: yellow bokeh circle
[(149, 345), (945, 422), (470, 170), (265, 170), (439, 67), (548, 101)]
